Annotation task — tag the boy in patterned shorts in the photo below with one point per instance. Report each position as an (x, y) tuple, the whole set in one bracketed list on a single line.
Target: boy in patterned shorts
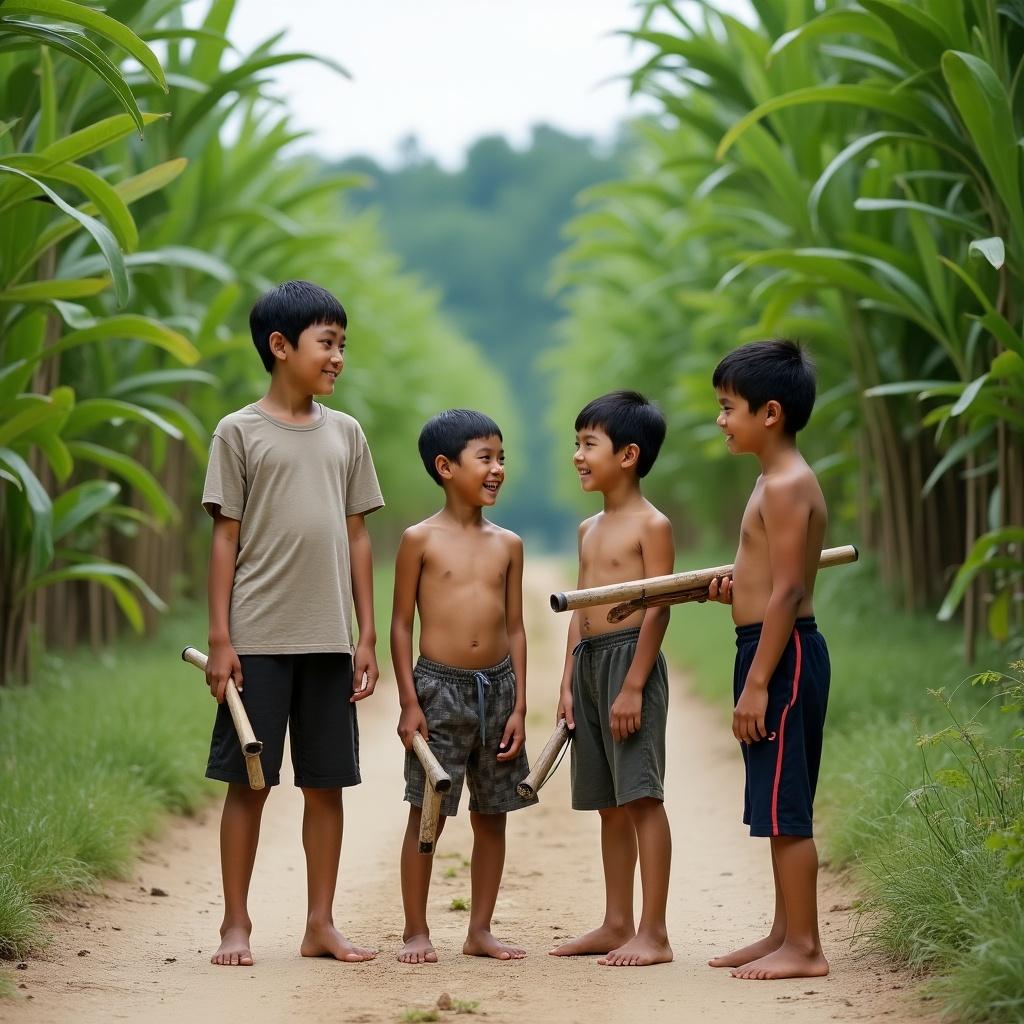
[(467, 693)]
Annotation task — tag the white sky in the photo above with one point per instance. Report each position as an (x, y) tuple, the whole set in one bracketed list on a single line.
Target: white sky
[(448, 70)]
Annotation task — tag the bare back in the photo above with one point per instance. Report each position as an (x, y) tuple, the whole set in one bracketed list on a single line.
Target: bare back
[(462, 593), (784, 522), (612, 550)]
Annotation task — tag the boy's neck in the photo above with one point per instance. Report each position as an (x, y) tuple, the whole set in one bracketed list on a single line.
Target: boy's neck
[(285, 399), (622, 494), (460, 512), (778, 449)]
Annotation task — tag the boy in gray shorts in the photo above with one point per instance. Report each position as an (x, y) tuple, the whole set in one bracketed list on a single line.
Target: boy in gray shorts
[(467, 693), (614, 687)]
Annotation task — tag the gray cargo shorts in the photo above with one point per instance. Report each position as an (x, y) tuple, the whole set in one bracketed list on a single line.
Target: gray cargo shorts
[(466, 712), (608, 772)]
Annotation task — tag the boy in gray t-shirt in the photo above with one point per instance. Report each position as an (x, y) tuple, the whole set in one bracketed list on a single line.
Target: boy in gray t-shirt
[(288, 486)]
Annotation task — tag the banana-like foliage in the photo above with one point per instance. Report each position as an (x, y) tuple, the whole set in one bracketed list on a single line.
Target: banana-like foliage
[(127, 266), (848, 174)]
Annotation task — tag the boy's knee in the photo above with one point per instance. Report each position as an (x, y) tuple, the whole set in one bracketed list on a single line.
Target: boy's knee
[(492, 824), (330, 797), (613, 814), (643, 807), (242, 793)]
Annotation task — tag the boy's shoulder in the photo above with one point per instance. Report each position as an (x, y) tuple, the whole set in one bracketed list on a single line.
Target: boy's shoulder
[(419, 533)]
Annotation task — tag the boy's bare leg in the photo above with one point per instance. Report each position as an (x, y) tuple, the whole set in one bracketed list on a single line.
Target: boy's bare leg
[(654, 843), (771, 942), (488, 863), (416, 868), (322, 822), (618, 852), (800, 955), (239, 836)]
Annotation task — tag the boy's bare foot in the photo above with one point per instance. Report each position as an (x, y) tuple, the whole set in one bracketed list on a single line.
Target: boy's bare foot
[(485, 944), (326, 940), (234, 948), (600, 940), (418, 949), (786, 962), (640, 951), (747, 954)]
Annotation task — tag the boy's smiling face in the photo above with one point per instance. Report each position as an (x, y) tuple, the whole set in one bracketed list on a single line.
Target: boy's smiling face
[(316, 363), (479, 472), (595, 459), (741, 427)]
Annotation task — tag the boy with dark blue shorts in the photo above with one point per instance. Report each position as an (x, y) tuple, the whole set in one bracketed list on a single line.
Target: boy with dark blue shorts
[(780, 685), (288, 486)]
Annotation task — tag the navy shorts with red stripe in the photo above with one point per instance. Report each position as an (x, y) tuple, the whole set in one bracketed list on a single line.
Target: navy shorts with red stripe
[(782, 770)]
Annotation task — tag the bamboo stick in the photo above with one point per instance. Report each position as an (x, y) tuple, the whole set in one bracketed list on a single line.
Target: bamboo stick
[(682, 586), (528, 788)]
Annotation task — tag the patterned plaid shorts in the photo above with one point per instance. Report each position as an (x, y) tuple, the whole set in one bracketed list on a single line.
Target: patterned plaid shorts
[(466, 713)]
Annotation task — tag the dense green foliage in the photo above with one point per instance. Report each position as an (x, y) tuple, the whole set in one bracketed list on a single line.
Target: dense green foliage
[(123, 319), (486, 236), (848, 174)]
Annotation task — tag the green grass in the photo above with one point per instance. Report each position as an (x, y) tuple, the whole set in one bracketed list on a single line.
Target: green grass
[(95, 753), (912, 817)]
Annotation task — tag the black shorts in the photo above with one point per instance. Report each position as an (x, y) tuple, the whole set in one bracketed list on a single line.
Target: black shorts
[(782, 770), (307, 694)]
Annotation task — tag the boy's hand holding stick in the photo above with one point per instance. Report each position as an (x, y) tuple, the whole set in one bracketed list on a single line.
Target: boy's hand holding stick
[(677, 588), (435, 785), (251, 747), (542, 767)]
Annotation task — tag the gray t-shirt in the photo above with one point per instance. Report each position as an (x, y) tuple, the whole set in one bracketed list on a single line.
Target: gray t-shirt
[(291, 488)]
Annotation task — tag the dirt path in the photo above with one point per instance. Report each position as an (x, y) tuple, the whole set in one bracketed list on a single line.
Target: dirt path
[(131, 955)]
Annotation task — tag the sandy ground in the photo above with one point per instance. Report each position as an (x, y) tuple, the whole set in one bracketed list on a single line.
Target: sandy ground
[(131, 954)]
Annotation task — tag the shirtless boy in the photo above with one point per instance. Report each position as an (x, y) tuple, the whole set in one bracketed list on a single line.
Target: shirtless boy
[(614, 690), (467, 693), (781, 677)]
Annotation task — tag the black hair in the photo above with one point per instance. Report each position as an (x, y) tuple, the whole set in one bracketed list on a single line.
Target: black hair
[(290, 308), (449, 432), (627, 418), (777, 370)]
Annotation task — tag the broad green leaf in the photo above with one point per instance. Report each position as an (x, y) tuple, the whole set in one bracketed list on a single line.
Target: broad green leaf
[(44, 291), (86, 52), (993, 321), (37, 412), (95, 137), (958, 451), (132, 472), (999, 616), (917, 33), (992, 249), (969, 394), (158, 378), (839, 22), (126, 326), (985, 109), (40, 506), (104, 197), (80, 503), (899, 105), (1007, 364), (95, 21), (936, 212), (91, 411), (101, 234)]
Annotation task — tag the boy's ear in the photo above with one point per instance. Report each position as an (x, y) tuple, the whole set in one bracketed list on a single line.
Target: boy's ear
[(630, 454), (278, 345), (443, 465), (772, 413)]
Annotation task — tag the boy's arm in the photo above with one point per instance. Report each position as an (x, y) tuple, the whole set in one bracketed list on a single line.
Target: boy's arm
[(223, 663), (514, 736), (565, 709), (364, 663), (658, 551), (408, 564), (786, 515)]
